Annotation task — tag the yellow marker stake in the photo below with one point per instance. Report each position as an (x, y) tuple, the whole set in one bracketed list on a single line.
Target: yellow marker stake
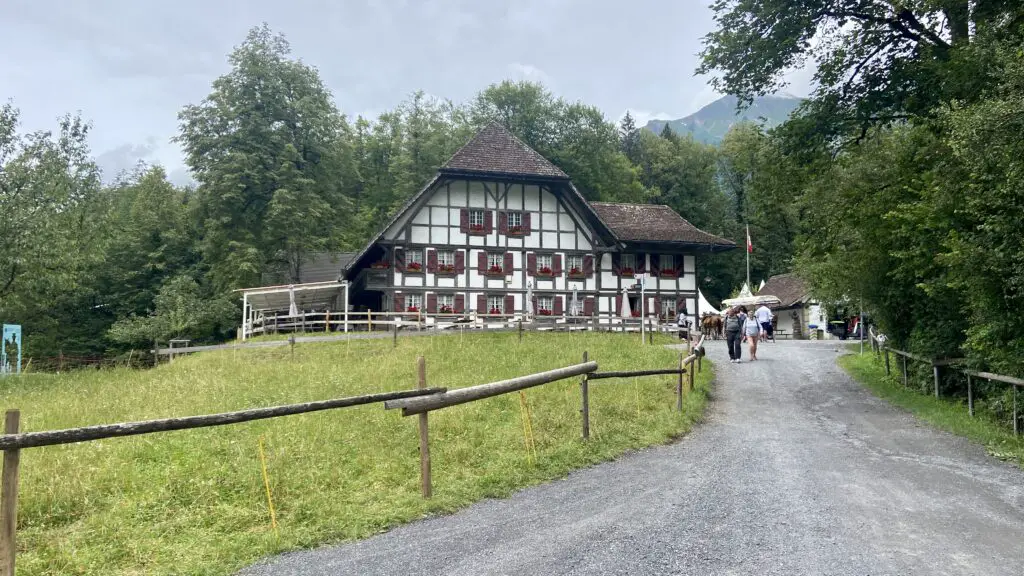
[(266, 484)]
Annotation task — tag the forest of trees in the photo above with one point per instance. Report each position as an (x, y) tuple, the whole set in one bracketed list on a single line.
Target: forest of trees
[(899, 182)]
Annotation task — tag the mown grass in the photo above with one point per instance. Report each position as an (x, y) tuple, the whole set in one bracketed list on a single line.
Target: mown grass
[(193, 502), (945, 414)]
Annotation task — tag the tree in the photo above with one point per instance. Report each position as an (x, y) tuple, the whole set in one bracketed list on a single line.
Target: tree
[(181, 309), (629, 138), (668, 134), (267, 147)]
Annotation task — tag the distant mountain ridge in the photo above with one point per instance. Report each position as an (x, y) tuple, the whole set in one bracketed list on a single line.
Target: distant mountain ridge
[(710, 123)]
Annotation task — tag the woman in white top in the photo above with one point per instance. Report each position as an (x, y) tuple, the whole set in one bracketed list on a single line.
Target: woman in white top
[(751, 332)]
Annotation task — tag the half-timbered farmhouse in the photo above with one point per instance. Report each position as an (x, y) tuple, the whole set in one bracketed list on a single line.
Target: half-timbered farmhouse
[(499, 224)]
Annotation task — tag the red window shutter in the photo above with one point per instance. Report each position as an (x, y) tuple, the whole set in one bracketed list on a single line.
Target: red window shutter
[(641, 263), (399, 260), (481, 261), (588, 306), (460, 303), (679, 261), (431, 260), (531, 264), (507, 264), (618, 305), (432, 303), (558, 305), (481, 304), (510, 304), (503, 222), (488, 221), (460, 261), (556, 265), (588, 265), (616, 265), (526, 224), (464, 220), (399, 303), (534, 301), (655, 265)]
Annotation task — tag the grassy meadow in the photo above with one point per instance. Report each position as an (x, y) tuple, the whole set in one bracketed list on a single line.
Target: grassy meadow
[(193, 501), (943, 413)]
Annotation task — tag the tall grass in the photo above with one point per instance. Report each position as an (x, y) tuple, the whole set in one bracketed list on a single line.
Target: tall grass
[(193, 501)]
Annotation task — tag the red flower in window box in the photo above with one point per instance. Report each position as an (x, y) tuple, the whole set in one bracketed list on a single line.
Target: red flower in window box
[(447, 309), (414, 267), (494, 311), (476, 228), (544, 313), (635, 313), (544, 271), (516, 230), (576, 273), (446, 268), (494, 270), (670, 273), (380, 265), (412, 309), (626, 272)]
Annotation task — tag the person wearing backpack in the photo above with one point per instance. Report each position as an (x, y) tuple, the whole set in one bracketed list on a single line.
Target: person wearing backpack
[(733, 336)]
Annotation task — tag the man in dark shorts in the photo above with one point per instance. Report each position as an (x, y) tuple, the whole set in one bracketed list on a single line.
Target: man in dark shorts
[(764, 318)]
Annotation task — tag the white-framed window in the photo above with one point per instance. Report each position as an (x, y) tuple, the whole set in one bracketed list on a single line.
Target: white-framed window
[(666, 262), (544, 261), (414, 302), (476, 217), (546, 303), (574, 262), (668, 307), (414, 260), (496, 303), (515, 220), (446, 258), (496, 259), (445, 303), (628, 261)]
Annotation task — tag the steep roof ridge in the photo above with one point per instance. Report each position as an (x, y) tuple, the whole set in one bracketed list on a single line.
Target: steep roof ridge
[(479, 150)]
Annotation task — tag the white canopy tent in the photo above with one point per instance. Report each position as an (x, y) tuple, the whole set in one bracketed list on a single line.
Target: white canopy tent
[(257, 302), (704, 306), (752, 301)]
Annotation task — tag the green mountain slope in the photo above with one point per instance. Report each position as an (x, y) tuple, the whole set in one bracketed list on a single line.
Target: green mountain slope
[(710, 123)]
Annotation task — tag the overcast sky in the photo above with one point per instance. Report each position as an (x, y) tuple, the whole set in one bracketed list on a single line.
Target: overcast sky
[(130, 65)]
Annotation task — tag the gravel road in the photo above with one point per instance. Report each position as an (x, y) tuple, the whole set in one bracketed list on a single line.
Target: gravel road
[(797, 470)]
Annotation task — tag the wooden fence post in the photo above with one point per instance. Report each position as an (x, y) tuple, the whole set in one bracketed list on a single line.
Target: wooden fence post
[(700, 355), (679, 386), (970, 396), (520, 331), (904, 358), (421, 384), (935, 371), (585, 410), (1016, 419), (887, 362), (394, 332), (690, 376), (9, 498)]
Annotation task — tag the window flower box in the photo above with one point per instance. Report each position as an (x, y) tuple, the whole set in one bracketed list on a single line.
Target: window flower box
[(380, 265), (495, 271), (635, 313), (446, 268), (544, 271), (477, 229), (412, 309), (494, 311), (626, 272), (516, 231), (446, 310), (576, 273), (668, 273), (545, 313), (414, 267)]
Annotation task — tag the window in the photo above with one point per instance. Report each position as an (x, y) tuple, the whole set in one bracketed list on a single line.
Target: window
[(515, 220), (413, 302), (544, 263), (445, 303), (666, 262), (476, 218), (495, 305), (668, 307), (545, 304), (445, 258), (575, 263), (495, 260), (628, 263), (414, 261)]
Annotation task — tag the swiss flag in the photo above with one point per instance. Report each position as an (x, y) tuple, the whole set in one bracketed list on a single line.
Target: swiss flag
[(750, 245)]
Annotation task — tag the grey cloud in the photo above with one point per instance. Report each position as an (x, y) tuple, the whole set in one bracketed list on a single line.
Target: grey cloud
[(124, 158)]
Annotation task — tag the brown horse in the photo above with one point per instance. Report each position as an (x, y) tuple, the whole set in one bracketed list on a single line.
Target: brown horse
[(711, 326)]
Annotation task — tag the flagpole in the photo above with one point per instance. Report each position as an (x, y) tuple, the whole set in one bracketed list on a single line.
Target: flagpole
[(748, 255)]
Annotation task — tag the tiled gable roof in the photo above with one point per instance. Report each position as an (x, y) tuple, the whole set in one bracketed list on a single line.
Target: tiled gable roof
[(495, 150), (653, 223), (789, 288)]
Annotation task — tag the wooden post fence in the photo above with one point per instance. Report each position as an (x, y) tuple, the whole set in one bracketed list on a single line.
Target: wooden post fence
[(679, 386), (421, 384), (970, 396), (9, 497), (935, 372), (585, 409)]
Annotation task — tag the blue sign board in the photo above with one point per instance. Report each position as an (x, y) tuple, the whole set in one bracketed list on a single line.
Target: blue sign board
[(10, 350)]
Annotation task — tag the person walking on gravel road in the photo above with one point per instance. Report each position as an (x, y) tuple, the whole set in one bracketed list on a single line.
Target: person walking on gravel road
[(764, 318), (733, 326), (751, 333)]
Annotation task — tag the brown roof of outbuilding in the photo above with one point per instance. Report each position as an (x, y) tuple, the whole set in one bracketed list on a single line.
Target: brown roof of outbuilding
[(789, 288), (653, 223), (495, 150)]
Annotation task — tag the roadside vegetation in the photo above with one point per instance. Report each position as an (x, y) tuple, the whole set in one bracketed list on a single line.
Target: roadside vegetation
[(986, 427), (193, 502)]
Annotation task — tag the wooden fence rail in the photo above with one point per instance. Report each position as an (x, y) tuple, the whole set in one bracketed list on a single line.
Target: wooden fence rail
[(879, 343)]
